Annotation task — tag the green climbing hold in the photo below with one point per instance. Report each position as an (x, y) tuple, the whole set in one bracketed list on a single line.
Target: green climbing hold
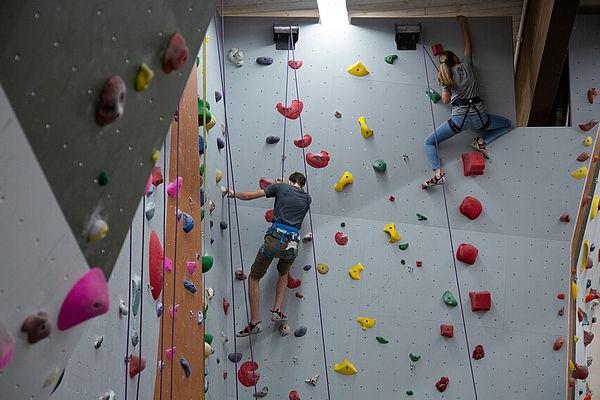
[(391, 58), (433, 95), (403, 246), (202, 214), (409, 392), (202, 167), (103, 178), (202, 110), (414, 357), (449, 299), (379, 165), (207, 263), (381, 340), (208, 338), (421, 217)]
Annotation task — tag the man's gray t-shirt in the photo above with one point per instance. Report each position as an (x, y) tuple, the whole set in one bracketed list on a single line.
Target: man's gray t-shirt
[(464, 87), (291, 204)]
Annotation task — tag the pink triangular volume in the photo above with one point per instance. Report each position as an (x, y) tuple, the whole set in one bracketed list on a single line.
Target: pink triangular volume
[(156, 265), (7, 347), (87, 299)]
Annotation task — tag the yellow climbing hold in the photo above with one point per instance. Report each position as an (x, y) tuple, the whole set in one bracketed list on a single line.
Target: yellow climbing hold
[(345, 367), (155, 156), (346, 179), (358, 69), (571, 365), (366, 322), (355, 271), (218, 175), (587, 141), (575, 339), (594, 210), (585, 253), (143, 78), (574, 290), (365, 131), (322, 268), (211, 123), (579, 173), (390, 229), (98, 230), (208, 350)]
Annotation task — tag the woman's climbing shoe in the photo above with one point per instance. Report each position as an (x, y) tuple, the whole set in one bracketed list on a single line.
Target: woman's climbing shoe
[(434, 181), (250, 329), (479, 145), (278, 316)]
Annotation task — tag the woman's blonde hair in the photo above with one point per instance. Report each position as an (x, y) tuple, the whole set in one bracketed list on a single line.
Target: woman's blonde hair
[(447, 61)]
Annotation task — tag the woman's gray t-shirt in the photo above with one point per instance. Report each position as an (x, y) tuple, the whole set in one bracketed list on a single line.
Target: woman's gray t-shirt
[(464, 87), (291, 204)]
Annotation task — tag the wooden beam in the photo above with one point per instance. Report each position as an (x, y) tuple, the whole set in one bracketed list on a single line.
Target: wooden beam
[(546, 36)]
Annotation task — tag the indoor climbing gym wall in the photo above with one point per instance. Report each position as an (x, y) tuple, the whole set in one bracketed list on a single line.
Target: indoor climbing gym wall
[(409, 292)]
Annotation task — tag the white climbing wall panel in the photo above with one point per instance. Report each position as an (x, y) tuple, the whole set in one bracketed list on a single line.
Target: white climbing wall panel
[(523, 248)]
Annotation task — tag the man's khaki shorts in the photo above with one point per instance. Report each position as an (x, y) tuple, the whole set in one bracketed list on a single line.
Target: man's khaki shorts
[(273, 248)]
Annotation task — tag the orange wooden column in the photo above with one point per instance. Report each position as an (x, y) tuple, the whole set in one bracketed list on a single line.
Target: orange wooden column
[(181, 247)]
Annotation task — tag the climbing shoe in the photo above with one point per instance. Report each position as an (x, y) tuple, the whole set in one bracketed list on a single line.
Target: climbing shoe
[(434, 181), (278, 316), (250, 329), (479, 145)]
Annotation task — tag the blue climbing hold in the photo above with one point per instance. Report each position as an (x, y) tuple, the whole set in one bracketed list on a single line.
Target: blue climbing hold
[(264, 60), (201, 197), (188, 222), (307, 267), (234, 357), (200, 145), (189, 285), (220, 143)]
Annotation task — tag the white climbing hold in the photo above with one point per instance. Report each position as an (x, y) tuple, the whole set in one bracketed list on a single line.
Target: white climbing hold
[(98, 230), (236, 56), (110, 395)]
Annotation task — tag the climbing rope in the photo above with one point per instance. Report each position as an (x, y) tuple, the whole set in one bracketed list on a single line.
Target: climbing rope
[(287, 77), (162, 299), (128, 314), (139, 376), (462, 312)]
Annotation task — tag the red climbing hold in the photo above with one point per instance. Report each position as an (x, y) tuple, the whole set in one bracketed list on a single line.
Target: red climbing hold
[(478, 352), (111, 104), (136, 365), (437, 49), (588, 125), (581, 372), (225, 305), (157, 177), (560, 296), (36, 326), (319, 160), (248, 374), (293, 283), (588, 336), (592, 93), (291, 112), (264, 183), (442, 384), (88, 298), (392, 199), (583, 156), (473, 163), (304, 142), (466, 253), (155, 265), (8, 346), (565, 218), (294, 395), (176, 54), (470, 207), (558, 343), (295, 64), (269, 215), (419, 263), (480, 301), (579, 314), (341, 238), (447, 330), (589, 264), (592, 295)]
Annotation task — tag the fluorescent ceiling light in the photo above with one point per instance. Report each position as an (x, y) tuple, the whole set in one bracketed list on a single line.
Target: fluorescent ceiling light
[(333, 13)]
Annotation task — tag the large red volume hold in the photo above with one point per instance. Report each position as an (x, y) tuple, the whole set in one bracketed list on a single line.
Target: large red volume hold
[(291, 112), (248, 374), (470, 207), (319, 160), (473, 163), (155, 265), (467, 253)]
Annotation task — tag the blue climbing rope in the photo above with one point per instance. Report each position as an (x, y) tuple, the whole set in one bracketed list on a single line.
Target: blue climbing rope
[(126, 359), (462, 312)]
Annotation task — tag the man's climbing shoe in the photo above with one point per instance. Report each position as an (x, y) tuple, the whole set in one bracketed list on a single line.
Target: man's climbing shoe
[(250, 329), (434, 181), (278, 316), (479, 145)]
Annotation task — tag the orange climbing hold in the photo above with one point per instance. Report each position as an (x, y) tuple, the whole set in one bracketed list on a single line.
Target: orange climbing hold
[(592, 93), (473, 163), (155, 265)]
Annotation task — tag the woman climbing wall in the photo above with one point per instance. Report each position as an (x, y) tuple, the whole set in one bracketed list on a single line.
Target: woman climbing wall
[(468, 111)]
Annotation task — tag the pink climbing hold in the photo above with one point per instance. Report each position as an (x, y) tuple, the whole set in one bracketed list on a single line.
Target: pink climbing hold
[(295, 64), (8, 347), (111, 104), (157, 177), (136, 365), (168, 264), (437, 49), (225, 306), (174, 187), (191, 266), (174, 310), (176, 54), (264, 183), (87, 299), (478, 352), (36, 326), (294, 395), (248, 374), (304, 142), (170, 352), (269, 215), (480, 301), (319, 160), (442, 384), (467, 253), (293, 283), (471, 207), (155, 265), (341, 238), (291, 112), (473, 163)]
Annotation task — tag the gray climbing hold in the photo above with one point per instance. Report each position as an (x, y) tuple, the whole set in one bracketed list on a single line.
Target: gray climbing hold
[(189, 285), (110, 395), (218, 96), (211, 224), (98, 342), (234, 357), (135, 338), (307, 267), (262, 393), (264, 60), (240, 275), (159, 308), (300, 331), (223, 225), (150, 210), (136, 288), (284, 329), (272, 139), (187, 368), (123, 309), (220, 143)]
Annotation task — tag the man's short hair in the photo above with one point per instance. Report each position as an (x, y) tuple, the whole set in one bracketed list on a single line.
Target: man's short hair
[(298, 177)]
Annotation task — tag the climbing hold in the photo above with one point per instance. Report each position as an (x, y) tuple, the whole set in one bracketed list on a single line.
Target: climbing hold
[(284, 329), (98, 342), (583, 156), (447, 330), (262, 393), (337, 114), (293, 283), (157, 177), (174, 310), (470, 207), (341, 238), (355, 271), (442, 384), (588, 337), (592, 93), (248, 374), (414, 357), (409, 392), (36, 326), (478, 352), (294, 395), (480, 301), (223, 225), (558, 343), (580, 372), (592, 295), (240, 275), (579, 173), (187, 368), (136, 365), (226, 306), (585, 252), (565, 218), (358, 69), (307, 267), (467, 253), (473, 163), (390, 59), (123, 309), (220, 144), (269, 215), (345, 179), (144, 77), (392, 198), (307, 238), (437, 49), (587, 141), (560, 296), (421, 217), (135, 338), (234, 357), (98, 230), (322, 268), (403, 246), (236, 56), (433, 95), (87, 299), (587, 126), (403, 262), (295, 64), (264, 60), (176, 54), (390, 229), (218, 96), (301, 331), (561, 311), (189, 285), (155, 265), (366, 322), (304, 142), (418, 263), (449, 299), (594, 207), (174, 187), (159, 309), (272, 139), (111, 104), (207, 263), (382, 340), (204, 114), (168, 264), (103, 178), (365, 131), (170, 352), (379, 165), (218, 175), (291, 112), (312, 381), (345, 367), (110, 395), (150, 210), (136, 292), (318, 160)]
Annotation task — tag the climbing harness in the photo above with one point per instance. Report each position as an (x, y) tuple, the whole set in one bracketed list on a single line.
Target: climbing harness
[(287, 235), (472, 102)]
